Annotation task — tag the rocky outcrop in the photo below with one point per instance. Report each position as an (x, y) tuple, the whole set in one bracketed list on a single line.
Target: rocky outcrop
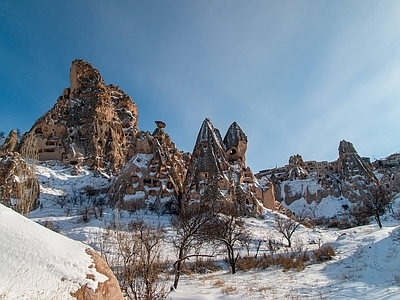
[(10, 144), (92, 123), (154, 176), (106, 290), (19, 187), (217, 173), (349, 177), (355, 174)]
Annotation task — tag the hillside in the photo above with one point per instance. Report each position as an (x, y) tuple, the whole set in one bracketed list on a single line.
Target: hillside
[(37, 263), (366, 264)]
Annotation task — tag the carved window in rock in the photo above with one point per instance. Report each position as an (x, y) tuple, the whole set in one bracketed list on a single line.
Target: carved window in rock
[(39, 130), (152, 193), (232, 151), (170, 185), (204, 145), (223, 184), (135, 178), (152, 182), (224, 166), (203, 175), (165, 193)]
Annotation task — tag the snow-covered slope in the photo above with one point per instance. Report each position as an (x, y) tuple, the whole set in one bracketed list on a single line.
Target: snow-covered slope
[(37, 263), (366, 265)]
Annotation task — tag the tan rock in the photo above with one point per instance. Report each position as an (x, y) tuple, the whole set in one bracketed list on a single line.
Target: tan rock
[(107, 290), (10, 144), (91, 122), (154, 177), (19, 187)]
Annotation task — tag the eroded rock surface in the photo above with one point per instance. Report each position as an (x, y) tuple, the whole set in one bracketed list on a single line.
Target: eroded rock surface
[(19, 187), (154, 176), (10, 144), (92, 123), (350, 177), (217, 173)]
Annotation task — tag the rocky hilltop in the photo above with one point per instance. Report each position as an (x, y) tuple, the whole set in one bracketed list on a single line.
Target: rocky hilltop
[(154, 177), (350, 178), (92, 123)]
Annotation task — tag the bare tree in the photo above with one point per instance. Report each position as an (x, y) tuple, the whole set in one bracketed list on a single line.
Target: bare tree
[(228, 229), (188, 226), (287, 226), (134, 253), (377, 204)]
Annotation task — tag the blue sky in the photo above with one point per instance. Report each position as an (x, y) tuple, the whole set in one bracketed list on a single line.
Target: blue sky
[(297, 76)]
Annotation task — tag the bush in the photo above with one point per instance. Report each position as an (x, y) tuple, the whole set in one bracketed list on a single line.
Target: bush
[(50, 225), (324, 253), (286, 261), (202, 266)]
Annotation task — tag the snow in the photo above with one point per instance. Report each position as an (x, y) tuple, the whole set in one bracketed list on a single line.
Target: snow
[(328, 207), (365, 267), (38, 263)]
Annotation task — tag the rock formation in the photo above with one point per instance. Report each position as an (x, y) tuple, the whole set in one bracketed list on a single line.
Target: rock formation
[(355, 174), (10, 144), (154, 176), (217, 173), (92, 123), (19, 187), (348, 177), (106, 290)]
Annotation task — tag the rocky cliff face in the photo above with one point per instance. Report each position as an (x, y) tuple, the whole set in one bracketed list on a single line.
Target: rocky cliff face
[(10, 144), (19, 187), (348, 177), (356, 175), (154, 176), (217, 172), (92, 123)]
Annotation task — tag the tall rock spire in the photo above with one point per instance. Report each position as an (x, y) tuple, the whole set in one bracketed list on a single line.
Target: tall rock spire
[(91, 123), (217, 174), (235, 142)]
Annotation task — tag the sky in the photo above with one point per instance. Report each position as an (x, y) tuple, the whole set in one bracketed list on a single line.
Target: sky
[(297, 76)]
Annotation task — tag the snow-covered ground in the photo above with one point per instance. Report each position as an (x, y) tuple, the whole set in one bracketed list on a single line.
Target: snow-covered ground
[(367, 264), (37, 263)]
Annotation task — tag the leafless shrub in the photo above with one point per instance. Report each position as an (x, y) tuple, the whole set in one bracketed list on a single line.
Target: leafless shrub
[(85, 213), (51, 225), (287, 261), (134, 254), (228, 229), (203, 266), (396, 279), (324, 253), (219, 283), (189, 227), (273, 246), (229, 290), (287, 226)]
